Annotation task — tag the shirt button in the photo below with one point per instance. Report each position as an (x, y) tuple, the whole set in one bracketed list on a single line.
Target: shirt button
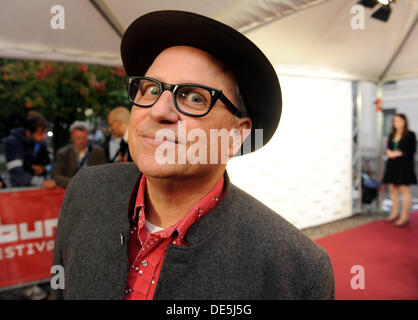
[(144, 263)]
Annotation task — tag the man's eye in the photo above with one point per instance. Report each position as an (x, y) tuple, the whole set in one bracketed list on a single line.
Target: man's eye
[(152, 91), (194, 97)]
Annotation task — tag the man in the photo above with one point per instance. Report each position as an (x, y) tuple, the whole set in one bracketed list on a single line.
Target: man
[(118, 122), (27, 155), (76, 156), (185, 231)]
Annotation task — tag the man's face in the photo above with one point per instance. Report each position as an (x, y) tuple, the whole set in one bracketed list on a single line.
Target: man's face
[(176, 65), (80, 139), (39, 135)]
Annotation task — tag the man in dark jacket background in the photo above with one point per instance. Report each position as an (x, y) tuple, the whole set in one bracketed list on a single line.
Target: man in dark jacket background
[(27, 156), (77, 155)]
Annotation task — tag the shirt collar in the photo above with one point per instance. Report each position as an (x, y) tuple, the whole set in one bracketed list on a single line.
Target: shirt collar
[(203, 206)]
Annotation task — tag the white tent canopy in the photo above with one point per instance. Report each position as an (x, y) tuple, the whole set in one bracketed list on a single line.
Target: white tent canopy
[(93, 28), (319, 36), (323, 37)]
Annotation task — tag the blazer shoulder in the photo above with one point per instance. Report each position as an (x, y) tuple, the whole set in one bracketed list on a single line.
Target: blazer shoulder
[(107, 173), (283, 246), (65, 149), (105, 184), (270, 228), (97, 148)]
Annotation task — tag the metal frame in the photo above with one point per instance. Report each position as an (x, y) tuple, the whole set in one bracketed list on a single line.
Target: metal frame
[(380, 164), (215, 94), (356, 140), (106, 13)]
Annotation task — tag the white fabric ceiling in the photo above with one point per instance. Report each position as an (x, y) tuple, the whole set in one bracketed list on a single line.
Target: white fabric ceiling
[(313, 34), (25, 30), (322, 37)]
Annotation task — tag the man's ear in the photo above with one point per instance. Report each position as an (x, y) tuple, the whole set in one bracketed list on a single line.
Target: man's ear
[(240, 131)]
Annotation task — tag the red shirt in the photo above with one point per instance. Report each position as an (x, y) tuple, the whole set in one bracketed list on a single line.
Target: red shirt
[(147, 251)]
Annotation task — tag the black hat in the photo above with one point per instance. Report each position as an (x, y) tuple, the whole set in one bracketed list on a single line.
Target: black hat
[(153, 32)]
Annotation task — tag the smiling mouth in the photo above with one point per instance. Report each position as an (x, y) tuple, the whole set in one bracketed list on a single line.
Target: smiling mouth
[(158, 140)]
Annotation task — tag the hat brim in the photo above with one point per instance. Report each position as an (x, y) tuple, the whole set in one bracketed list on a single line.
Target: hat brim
[(154, 32)]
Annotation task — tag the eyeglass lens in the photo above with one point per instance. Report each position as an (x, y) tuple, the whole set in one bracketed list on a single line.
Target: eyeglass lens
[(190, 99)]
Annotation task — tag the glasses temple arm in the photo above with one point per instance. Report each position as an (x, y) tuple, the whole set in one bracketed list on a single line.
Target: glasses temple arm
[(230, 106)]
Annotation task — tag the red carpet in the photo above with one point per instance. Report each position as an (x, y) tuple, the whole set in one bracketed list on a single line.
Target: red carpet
[(389, 256)]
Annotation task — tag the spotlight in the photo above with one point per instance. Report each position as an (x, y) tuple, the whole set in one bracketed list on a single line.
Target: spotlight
[(382, 13), (384, 2), (368, 3)]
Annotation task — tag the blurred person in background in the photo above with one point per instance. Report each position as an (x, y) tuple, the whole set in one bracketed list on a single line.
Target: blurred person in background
[(2, 183), (111, 146), (27, 156), (400, 171), (118, 122), (77, 155)]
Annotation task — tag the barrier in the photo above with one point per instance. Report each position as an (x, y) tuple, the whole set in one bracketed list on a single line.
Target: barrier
[(28, 220)]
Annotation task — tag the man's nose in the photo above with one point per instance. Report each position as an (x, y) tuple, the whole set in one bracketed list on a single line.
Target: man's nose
[(164, 109)]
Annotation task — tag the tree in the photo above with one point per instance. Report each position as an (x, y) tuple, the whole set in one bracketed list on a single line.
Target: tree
[(61, 92)]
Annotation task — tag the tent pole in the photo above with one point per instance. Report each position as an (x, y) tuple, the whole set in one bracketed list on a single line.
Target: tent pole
[(356, 139), (379, 128), (105, 12), (399, 49)]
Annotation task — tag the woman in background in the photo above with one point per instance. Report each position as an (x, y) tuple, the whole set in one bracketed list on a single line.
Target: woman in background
[(399, 171)]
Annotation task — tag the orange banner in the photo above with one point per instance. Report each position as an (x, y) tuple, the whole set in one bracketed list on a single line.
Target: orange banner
[(28, 221)]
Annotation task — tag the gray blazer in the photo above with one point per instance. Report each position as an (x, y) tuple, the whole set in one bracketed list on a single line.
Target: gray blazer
[(239, 250), (66, 163)]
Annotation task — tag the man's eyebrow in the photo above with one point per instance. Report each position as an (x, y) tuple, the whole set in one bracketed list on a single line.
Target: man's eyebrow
[(177, 82)]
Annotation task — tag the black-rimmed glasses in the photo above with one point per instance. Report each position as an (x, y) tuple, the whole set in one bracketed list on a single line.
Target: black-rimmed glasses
[(190, 99)]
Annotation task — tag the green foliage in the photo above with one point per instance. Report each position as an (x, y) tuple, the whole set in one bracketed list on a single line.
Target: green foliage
[(61, 92)]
